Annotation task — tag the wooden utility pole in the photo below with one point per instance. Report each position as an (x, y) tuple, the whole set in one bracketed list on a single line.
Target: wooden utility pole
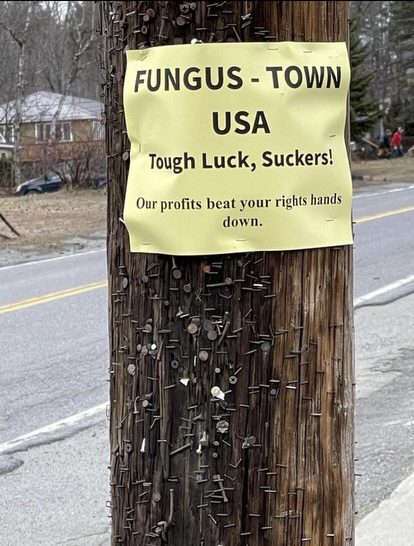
[(274, 464)]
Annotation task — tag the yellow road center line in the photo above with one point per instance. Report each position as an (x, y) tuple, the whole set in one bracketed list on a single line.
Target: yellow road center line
[(53, 296), (8, 307), (383, 214)]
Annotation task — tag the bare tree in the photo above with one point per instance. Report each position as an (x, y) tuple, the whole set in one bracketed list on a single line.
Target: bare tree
[(20, 39), (82, 167), (60, 41), (74, 37)]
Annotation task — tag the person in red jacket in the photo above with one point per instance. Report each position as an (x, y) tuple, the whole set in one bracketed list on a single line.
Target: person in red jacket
[(396, 142)]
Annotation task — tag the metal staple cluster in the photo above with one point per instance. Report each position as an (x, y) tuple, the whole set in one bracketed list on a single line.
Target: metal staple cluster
[(227, 373)]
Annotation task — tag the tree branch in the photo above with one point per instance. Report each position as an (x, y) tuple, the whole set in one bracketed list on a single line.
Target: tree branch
[(14, 36)]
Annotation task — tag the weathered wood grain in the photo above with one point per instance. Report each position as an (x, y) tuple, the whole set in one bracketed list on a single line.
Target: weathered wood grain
[(283, 351)]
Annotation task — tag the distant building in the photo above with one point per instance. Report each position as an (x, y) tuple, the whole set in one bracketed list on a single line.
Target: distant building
[(6, 148), (78, 124)]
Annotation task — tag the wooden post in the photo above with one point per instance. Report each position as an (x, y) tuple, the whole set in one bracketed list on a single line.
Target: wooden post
[(274, 329)]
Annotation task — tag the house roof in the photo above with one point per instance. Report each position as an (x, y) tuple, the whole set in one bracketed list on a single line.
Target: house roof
[(42, 106)]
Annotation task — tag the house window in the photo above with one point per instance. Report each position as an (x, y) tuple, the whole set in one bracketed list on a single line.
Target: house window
[(97, 130), (63, 132), (7, 133)]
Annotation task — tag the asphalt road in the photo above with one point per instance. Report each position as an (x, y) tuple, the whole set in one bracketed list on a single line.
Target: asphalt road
[(53, 319), (54, 351), (53, 365), (54, 354), (383, 248)]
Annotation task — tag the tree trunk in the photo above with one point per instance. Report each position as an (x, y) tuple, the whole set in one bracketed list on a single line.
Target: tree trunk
[(18, 117), (276, 465), (21, 43)]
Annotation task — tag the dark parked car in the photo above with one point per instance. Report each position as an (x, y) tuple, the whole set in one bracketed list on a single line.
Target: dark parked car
[(46, 183), (98, 181)]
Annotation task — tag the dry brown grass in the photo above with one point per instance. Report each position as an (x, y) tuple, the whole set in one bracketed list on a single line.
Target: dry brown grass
[(394, 170), (45, 221)]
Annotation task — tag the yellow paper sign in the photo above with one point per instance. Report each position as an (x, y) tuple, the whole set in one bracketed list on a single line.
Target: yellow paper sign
[(237, 147)]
